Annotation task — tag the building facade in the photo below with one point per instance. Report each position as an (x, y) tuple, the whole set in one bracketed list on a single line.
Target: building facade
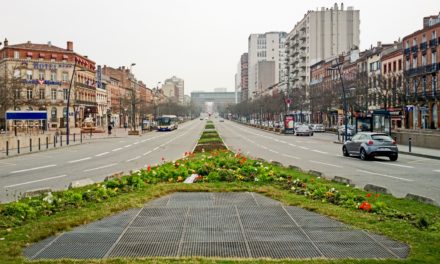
[(38, 77), (421, 73), (174, 88), (318, 36), (265, 47), (244, 77)]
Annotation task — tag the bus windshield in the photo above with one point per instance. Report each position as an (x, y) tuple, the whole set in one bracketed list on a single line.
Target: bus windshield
[(164, 121)]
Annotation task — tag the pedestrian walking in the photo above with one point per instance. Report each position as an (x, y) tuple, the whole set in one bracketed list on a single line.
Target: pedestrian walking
[(109, 129)]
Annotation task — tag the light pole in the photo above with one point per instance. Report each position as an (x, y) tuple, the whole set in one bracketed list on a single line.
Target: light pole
[(337, 67), (133, 99)]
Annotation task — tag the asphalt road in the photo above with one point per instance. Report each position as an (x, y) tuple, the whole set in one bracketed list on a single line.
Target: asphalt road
[(56, 169), (408, 174)]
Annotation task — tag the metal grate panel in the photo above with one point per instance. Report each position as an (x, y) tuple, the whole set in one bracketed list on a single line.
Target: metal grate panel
[(191, 203), (145, 250), (239, 199), (266, 220), (200, 234), (262, 210), (135, 235), (30, 251), (191, 196), (120, 220), (265, 201), (298, 211), (316, 221), (215, 249), (353, 250), (76, 251), (163, 212), (401, 250), (281, 234), (157, 222), (278, 250), (87, 237), (162, 201), (337, 234), (227, 221), (213, 211)]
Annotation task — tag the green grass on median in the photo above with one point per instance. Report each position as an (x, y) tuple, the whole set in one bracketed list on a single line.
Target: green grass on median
[(31, 220)]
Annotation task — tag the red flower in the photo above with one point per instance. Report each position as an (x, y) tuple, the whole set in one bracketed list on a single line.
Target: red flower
[(149, 168), (369, 195), (366, 206), (377, 195)]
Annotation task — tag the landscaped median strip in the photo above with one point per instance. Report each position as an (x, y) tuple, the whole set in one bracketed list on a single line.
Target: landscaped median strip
[(412, 222)]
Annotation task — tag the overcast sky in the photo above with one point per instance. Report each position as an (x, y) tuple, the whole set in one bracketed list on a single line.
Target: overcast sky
[(198, 40)]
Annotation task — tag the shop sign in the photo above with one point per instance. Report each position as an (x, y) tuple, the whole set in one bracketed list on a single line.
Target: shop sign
[(41, 82), (51, 66)]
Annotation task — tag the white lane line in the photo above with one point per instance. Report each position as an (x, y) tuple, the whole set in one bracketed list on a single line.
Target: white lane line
[(156, 148), (127, 146), (135, 143), (384, 175), (102, 167), (143, 140), (116, 149), (436, 170), (79, 160), (303, 147), (263, 147), (273, 151), (135, 158), (29, 182), (318, 151), (327, 164), (32, 169), (290, 156), (146, 153), (292, 145), (396, 165), (284, 142), (102, 154)]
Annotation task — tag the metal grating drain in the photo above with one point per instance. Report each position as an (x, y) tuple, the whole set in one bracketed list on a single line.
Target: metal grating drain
[(145, 250), (229, 225), (353, 250), (215, 249), (271, 249)]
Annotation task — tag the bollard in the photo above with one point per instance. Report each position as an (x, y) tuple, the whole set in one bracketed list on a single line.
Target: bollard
[(47, 142), (409, 145), (61, 140), (30, 145), (81, 136), (39, 144), (54, 141), (74, 137), (7, 148), (18, 146)]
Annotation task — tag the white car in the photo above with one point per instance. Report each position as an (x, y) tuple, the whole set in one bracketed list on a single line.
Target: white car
[(318, 128), (304, 130)]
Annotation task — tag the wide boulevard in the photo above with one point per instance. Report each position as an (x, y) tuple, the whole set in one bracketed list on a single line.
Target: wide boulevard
[(56, 169)]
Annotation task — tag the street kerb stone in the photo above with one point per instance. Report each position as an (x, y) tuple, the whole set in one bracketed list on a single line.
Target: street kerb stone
[(315, 173), (343, 180), (420, 198), (219, 225), (36, 192), (376, 189), (115, 175), (81, 183)]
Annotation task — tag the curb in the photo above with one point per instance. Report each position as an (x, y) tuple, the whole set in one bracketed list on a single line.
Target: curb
[(81, 183), (36, 192), (419, 155)]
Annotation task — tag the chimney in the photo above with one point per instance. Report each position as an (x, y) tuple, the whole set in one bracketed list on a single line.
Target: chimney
[(379, 44), (49, 43), (69, 45), (6, 42)]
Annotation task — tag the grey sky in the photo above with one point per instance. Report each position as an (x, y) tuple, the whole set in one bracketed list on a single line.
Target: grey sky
[(197, 40)]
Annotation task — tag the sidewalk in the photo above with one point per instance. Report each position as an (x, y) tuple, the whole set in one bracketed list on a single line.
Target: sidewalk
[(420, 152)]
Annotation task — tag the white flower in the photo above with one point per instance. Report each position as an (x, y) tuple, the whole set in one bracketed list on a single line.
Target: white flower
[(256, 179), (48, 198)]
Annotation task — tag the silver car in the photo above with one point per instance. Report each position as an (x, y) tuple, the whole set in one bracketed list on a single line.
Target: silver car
[(318, 128), (369, 144), (304, 130)]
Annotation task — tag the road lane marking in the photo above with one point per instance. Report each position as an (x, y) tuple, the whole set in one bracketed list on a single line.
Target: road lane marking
[(303, 147), (29, 182), (292, 145), (384, 175), (135, 158), (135, 143), (32, 169), (143, 140), (318, 151), (290, 156), (117, 149), (327, 164), (436, 170), (102, 167), (146, 153), (102, 154), (127, 146), (273, 151), (396, 165), (79, 160), (156, 148)]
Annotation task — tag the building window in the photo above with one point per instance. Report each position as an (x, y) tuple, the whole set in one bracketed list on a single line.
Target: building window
[(41, 75), (414, 42), (53, 94), (384, 68), (415, 86), (408, 64), (29, 93), (394, 66), (414, 64), (424, 85), (400, 65), (433, 57), (65, 94), (29, 74), (53, 75), (434, 85), (42, 94), (433, 35), (17, 94), (423, 59), (423, 38), (16, 55), (53, 113), (407, 44), (16, 73), (65, 77)]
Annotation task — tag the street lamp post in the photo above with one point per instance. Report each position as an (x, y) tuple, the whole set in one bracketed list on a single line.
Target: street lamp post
[(68, 104), (337, 67)]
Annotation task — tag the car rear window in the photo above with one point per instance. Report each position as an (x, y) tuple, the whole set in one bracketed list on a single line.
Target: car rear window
[(381, 138)]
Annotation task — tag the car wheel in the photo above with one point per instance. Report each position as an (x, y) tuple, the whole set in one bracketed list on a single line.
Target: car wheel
[(345, 152), (393, 157), (364, 155), (312, 134)]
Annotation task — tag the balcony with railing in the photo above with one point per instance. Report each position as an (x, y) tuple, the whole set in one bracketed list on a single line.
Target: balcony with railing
[(433, 43), (407, 51), (423, 45), (423, 70), (414, 48)]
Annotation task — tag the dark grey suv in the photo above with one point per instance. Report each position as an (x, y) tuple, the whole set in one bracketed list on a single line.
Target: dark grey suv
[(370, 144)]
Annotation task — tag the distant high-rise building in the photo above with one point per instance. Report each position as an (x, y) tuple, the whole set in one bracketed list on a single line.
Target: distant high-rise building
[(265, 47), (319, 35), (174, 88)]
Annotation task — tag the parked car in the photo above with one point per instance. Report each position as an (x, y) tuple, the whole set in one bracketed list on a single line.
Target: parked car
[(304, 130), (222, 120), (371, 144), (318, 128)]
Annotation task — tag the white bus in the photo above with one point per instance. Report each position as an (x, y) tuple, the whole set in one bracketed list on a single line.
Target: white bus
[(166, 123)]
